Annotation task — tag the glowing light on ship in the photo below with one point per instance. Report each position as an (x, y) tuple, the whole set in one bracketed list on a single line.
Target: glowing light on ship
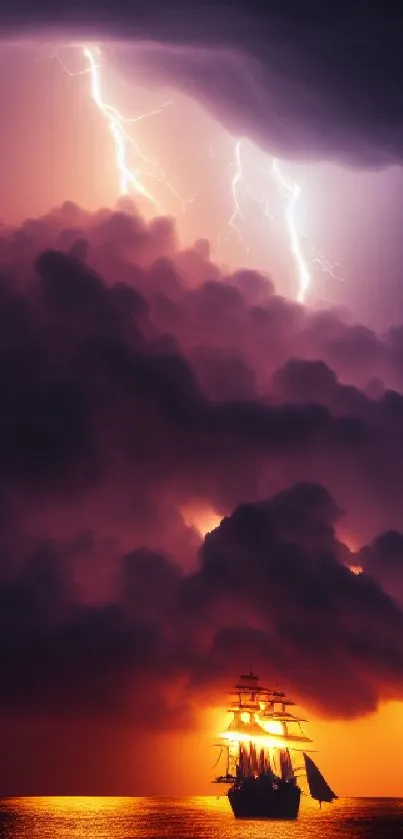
[(263, 741)]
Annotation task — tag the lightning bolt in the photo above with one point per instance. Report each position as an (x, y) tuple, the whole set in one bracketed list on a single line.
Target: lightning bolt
[(131, 177), (236, 182), (302, 263), (327, 267), (115, 121), (293, 191)]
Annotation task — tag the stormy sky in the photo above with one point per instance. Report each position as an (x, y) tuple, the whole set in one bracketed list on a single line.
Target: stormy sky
[(152, 384)]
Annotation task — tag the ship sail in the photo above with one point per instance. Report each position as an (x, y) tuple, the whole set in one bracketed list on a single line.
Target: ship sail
[(318, 787), (261, 742), (286, 765)]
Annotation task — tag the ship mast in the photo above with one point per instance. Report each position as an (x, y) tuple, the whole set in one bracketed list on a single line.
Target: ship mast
[(260, 735), (261, 741)]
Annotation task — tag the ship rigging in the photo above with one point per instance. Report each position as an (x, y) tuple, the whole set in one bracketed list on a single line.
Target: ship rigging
[(262, 744)]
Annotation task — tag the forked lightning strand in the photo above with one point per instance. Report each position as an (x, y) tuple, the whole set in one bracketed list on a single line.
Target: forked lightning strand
[(236, 182), (238, 179), (131, 178), (116, 126), (293, 191), (326, 266)]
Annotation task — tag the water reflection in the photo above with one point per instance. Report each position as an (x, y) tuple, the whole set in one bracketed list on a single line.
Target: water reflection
[(190, 818)]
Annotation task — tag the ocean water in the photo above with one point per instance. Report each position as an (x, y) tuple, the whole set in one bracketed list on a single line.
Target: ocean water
[(192, 818)]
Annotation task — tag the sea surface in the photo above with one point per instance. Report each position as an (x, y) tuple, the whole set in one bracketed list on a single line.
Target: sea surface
[(192, 818)]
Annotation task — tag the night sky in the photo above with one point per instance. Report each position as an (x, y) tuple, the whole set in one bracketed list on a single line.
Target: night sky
[(160, 381)]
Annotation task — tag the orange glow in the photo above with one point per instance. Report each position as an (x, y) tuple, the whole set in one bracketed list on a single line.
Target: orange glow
[(272, 726), (62, 804), (349, 751), (271, 742), (351, 543), (245, 716), (204, 520), (348, 540), (355, 569)]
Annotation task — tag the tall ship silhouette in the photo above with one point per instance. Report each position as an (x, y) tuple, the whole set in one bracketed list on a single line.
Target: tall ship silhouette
[(266, 755)]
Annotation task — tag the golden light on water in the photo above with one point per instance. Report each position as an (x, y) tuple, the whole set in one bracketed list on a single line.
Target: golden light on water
[(76, 803)]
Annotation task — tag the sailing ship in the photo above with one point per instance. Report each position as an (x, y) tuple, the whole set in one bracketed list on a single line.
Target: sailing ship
[(264, 743)]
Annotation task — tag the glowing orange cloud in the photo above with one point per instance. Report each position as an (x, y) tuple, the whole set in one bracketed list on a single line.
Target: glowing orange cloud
[(204, 520)]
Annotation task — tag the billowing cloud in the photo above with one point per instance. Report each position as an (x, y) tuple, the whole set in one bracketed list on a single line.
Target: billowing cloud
[(383, 560), (136, 382), (271, 584), (318, 82)]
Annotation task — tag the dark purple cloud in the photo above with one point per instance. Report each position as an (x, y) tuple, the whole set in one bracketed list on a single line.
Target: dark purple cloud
[(271, 584), (317, 80), (383, 560), (136, 380)]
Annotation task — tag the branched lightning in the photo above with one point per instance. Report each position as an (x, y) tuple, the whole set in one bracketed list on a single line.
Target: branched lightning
[(115, 121), (293, 191), (131, 177), (236, 182), (330, 268), (136, 169)]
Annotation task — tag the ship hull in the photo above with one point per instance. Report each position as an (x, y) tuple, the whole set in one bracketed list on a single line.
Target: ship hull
[(257, 801)]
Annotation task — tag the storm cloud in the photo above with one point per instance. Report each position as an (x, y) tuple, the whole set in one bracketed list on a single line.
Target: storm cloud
[(322, 81), (137, 381)]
